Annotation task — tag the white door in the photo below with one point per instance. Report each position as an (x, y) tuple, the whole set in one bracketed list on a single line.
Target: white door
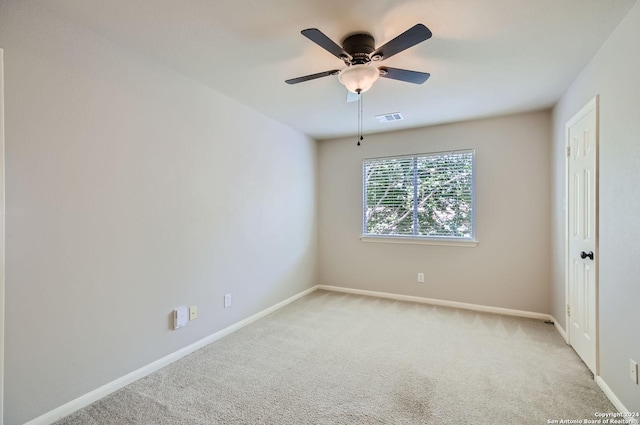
[(582, 226)]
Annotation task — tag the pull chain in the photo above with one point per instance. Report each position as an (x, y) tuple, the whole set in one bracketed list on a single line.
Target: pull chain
[(360, 138)]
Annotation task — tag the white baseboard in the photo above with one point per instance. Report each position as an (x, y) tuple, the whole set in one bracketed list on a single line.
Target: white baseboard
[(603, 386), (528, 314), (444, 303), (616, 402), (561, 331), (85, 400)]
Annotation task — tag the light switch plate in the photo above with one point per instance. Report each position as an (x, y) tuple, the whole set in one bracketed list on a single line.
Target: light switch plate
[(633, 371), (193, 312)]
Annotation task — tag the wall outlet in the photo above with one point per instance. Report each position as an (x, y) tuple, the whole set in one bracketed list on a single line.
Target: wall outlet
[(227, 300), (633, 371), (193, 312), (421, 277)]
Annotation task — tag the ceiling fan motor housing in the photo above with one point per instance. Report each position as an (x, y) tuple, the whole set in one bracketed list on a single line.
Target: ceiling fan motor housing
[(359, 46)]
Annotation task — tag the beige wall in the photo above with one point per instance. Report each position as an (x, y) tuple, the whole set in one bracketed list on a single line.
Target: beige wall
[(613, 75), (508, 268), (2, 238), (132, 190)]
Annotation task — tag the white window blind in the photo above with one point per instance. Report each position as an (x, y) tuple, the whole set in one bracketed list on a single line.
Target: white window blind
[(427, 196)]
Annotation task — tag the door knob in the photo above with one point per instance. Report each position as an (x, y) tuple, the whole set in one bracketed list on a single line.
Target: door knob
[(584, 255)]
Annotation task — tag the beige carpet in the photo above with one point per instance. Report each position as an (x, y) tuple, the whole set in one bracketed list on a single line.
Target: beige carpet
[(333, 358)]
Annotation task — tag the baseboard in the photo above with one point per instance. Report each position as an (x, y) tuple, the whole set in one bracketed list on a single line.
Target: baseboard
[(561, 331), (83, 401), (95, 395), (616, 402), (498, 310), (444, 303), (603, 386)]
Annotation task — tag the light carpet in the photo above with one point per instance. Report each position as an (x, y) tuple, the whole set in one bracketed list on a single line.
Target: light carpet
[(332, 358)]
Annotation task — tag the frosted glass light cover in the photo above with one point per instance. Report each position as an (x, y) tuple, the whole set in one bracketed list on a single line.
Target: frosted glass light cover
[(358, 77)]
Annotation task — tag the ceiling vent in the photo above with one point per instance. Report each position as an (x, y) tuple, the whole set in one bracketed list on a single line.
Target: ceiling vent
[(395, 116)]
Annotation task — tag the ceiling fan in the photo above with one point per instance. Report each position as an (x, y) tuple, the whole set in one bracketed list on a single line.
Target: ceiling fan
[(358, 52)]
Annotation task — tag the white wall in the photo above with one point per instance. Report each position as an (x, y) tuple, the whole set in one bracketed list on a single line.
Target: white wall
[(132, 190), (612, 74), (509, 267)]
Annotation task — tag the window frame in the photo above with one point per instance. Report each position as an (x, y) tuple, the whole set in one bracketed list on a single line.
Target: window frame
[(420, 239)]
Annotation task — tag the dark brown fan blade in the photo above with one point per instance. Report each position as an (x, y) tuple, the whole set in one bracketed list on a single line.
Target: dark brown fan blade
[(414, 35), (325, 42), (312, 76), (414, 77)]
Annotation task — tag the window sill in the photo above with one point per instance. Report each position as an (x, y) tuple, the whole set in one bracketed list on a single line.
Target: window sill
[(419, 241)]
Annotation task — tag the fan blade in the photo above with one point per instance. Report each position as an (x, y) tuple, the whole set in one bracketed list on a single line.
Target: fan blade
[(352, 97), (312, 76), (414, 35), (414, 77), (325, 42)]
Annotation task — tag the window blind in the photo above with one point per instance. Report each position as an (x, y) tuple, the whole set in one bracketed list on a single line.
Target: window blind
[(428, 195)]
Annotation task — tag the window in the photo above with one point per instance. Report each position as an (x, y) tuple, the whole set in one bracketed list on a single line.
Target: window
[(424, 196)]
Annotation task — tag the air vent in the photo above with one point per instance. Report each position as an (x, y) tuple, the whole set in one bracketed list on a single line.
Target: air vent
[(395, 116)]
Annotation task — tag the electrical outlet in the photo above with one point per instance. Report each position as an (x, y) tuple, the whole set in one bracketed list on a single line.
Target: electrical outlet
[(633, 371), (227, 300), (421, 277), (193, 312)]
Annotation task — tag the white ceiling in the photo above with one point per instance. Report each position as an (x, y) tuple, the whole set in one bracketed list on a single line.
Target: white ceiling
[(486, 57)]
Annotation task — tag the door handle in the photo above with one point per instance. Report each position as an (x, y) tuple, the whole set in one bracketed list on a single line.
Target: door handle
[(584, 255)]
